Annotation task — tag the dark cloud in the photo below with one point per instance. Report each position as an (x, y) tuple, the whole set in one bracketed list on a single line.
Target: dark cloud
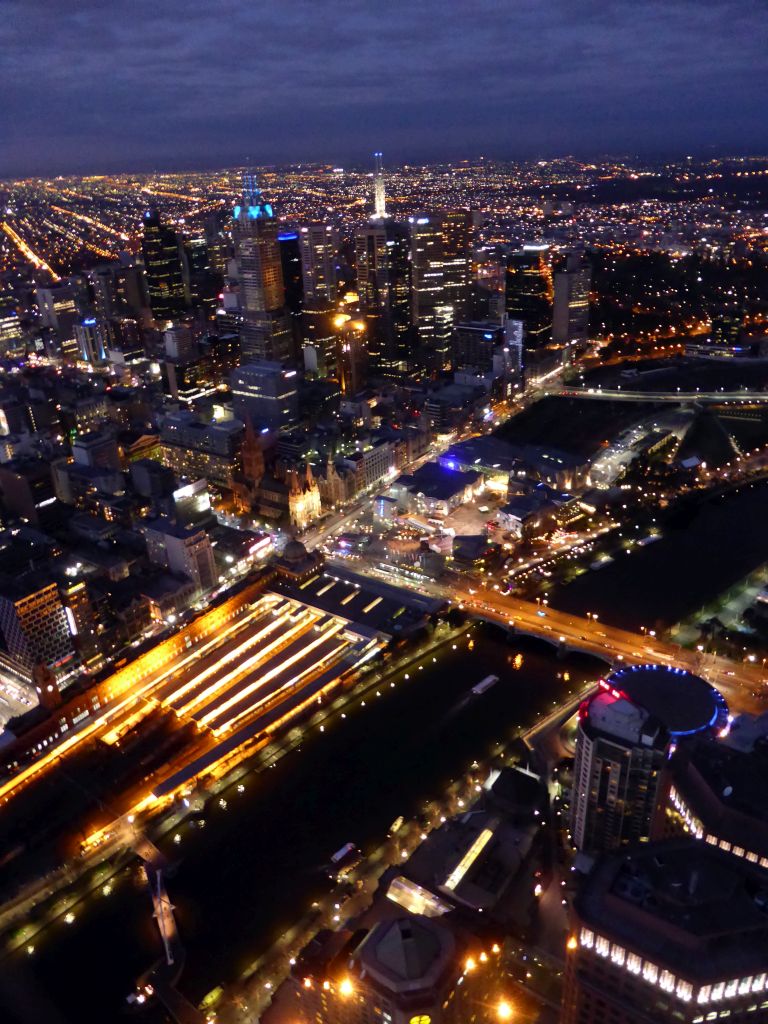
[(99, 84)]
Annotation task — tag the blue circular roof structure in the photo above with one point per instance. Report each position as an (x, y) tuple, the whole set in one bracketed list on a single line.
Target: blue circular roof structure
[(683, 702)]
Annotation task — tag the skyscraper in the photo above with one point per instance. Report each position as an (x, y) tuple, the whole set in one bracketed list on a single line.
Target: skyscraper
[(266, 331), (379, 193), (319, 245), (384, 282), (163, 268), (432, 314), (529, 294), (626, 734), (457, 260), (293, 282), (570, 314)]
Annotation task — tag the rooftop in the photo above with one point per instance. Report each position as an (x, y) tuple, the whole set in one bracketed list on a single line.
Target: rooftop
[(684, 703), (685, 905)]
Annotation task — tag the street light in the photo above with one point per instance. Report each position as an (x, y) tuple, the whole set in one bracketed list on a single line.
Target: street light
[(503, 1010)]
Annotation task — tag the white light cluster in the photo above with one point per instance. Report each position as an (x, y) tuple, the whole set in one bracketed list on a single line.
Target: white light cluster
[(667, 981)]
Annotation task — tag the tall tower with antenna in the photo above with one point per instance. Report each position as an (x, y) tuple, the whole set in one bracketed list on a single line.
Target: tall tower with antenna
[(379, 197)]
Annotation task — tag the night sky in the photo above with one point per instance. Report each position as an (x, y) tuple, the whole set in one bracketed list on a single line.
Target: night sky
[(98, 85)]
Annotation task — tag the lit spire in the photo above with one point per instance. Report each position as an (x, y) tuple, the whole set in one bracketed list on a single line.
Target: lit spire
[(379, 198), (253, 206)]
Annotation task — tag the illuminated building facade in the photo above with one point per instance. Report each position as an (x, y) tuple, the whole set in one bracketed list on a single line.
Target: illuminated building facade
[(34, 625), (379, 189), (432, 314), (383, 256), (319, 244), (626, 734), (529, 294), (303, 497), (265, 393), (669, 932), (457, 260), (351, 355), (163, 268), (192, 448), (92, 341), (266, 332)]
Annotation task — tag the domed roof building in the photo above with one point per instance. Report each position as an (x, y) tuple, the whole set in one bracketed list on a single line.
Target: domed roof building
[(297, 563)]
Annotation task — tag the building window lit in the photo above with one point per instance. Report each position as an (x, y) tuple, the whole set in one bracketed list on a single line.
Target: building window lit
[(667, 981), (617, 954), (650, 972), (684, 990)]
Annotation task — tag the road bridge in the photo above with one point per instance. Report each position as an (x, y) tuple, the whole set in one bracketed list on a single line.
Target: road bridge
[(621, 394)]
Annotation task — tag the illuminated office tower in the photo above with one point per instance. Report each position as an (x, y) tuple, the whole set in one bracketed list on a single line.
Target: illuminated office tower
[(319, 244), (293, 271), (432, 314), (669, 933), (351, 355), (266, 331), (92, 341), (383, 256), (457, 260), (293, 281), (265, 394), (34, 625), (529, 294), (163, 268), (570, 314), (379, 193)]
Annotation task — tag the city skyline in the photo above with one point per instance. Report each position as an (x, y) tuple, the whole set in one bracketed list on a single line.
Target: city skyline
[(230, 83)]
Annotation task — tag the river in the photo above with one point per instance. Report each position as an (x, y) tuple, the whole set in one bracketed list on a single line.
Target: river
[(257, 864)]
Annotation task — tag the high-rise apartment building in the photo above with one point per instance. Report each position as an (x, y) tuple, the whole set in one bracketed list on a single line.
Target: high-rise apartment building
[(163, 268), (669, 933), (570, 312), (383, 256), (626, 734), (319, 244)]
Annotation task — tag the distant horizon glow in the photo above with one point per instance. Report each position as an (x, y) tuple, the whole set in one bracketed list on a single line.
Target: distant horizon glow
[(165, 90)]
